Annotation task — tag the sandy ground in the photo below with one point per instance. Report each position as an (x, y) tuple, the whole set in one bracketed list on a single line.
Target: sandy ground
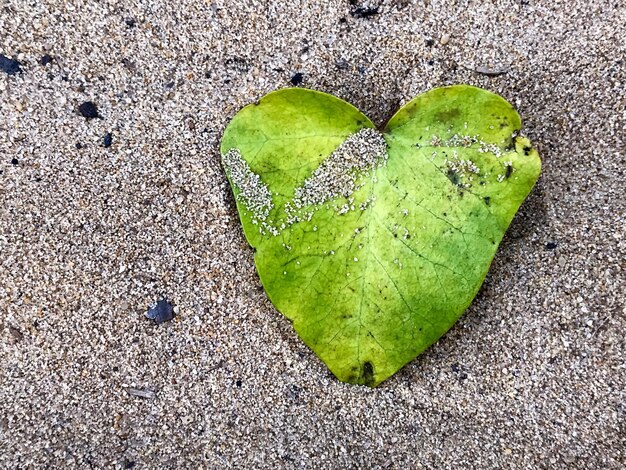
[(533, 376)]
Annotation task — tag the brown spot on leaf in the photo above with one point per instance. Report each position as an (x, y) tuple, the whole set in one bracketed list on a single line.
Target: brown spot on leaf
[(449, 115), (509, 171), (367, 374)]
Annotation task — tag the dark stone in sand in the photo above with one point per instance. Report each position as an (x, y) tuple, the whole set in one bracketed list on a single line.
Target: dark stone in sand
[(107, 140), (163, 311), (296, 79), (9, 66), (89, 110), (45, 59)]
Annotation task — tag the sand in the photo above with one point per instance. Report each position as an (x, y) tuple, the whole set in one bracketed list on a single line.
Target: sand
[(533, 375)]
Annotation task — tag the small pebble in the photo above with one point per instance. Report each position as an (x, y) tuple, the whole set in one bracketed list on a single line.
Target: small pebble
[(107, 140), (364, 12), (445, 39), (491, 72), (296, 79), (9, 66), (136, 392), (161, 312), (88, 110), (45, 59)]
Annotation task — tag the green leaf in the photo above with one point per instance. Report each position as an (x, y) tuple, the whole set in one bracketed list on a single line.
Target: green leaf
[(374, 244)]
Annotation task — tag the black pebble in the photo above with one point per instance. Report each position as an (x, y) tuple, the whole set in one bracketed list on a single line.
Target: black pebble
[(296, 79), (14, 161), (129, 464), (79, 145), (130, 22), (238, 383), (163, 311), (431, 62), (88, 110), (430, 42), (45, 59), (364, 12), (107, 140), (550, 246), (9, 66)]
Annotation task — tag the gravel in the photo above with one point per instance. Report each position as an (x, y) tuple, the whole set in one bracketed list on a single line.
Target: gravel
[(533, 376)]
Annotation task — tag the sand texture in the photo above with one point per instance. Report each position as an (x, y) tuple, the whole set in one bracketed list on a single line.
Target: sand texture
[(107, 208)]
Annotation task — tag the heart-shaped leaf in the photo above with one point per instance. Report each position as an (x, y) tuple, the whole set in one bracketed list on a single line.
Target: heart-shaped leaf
[(374, 243)]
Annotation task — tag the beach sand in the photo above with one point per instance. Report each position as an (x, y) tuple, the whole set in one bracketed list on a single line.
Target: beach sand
[(532, 376)]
